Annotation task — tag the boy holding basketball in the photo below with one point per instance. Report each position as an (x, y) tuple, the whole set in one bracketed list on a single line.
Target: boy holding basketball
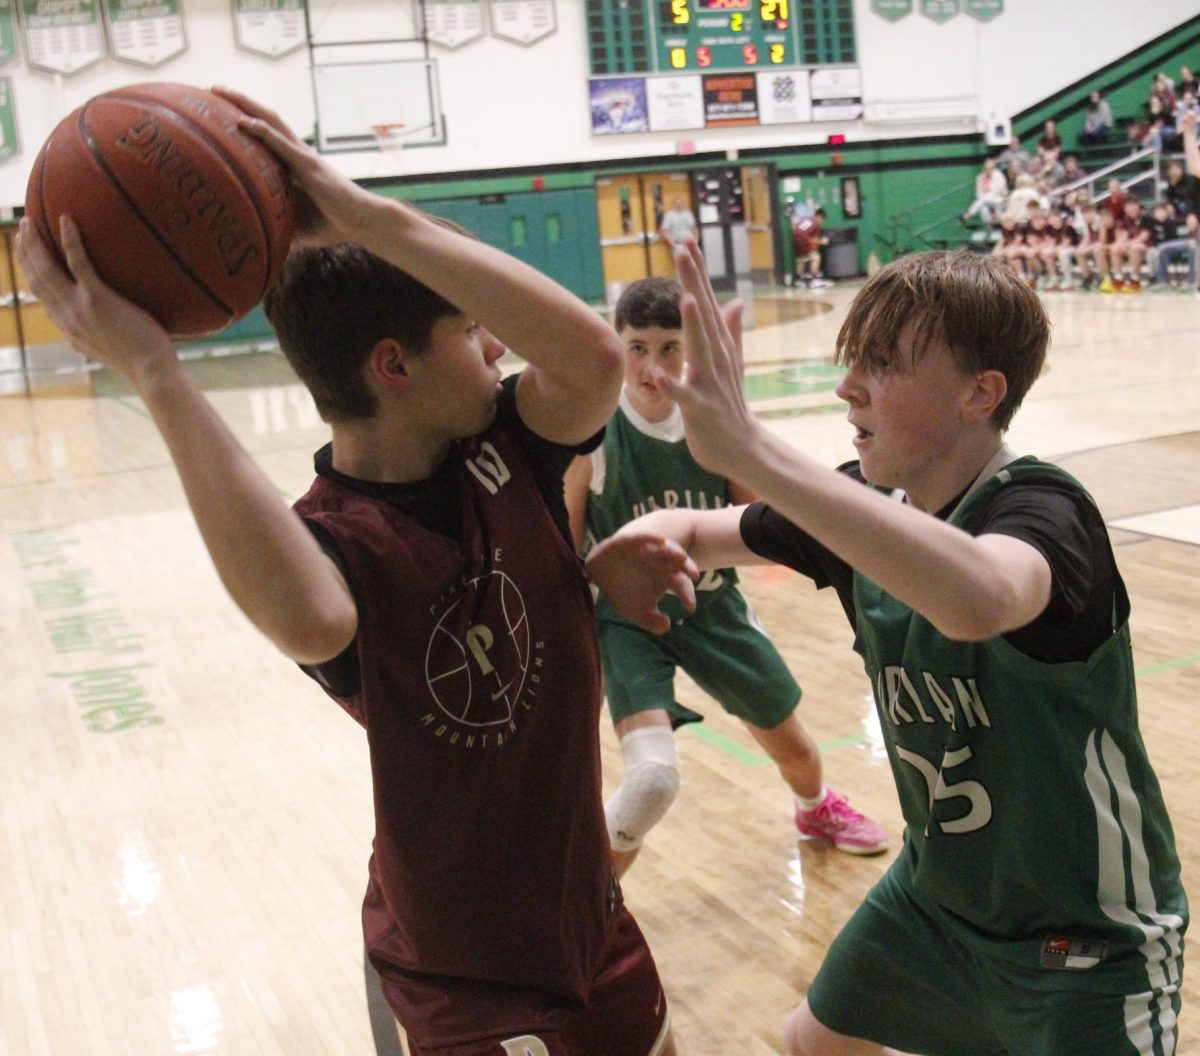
[(644, 464), (1036, 906), (428, 581)]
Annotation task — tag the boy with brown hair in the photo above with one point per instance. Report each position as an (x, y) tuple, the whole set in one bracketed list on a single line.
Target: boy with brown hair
[(644, 464), (1036, 906), (428, 581)]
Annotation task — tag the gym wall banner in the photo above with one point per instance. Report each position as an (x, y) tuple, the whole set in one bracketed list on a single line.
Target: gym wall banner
[(8, 32), (269, 27), (892, 10), (62, 36), (523, 21), (452, 23), (145, 33), (984, 10), (940, 10)]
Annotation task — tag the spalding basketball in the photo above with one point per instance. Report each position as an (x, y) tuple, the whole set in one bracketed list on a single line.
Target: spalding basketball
[(180, 211)]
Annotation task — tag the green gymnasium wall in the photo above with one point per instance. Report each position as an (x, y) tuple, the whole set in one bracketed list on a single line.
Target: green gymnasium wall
[(911, 190)]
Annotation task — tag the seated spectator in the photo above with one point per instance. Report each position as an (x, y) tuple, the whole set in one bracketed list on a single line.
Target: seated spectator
[(1010, 246), (1072, 171), (1161, 121), (1050, 145), (1045, 170), (1115, 198), (1188, 81), (1128, 249), (1169, 245), (1058, 252), (1172, 142), (1020, 196), (1091, 255), (1071, 205), (1191, 153), (1014, 152), (991, 189), (1097, 121), (1182, 191), (1037, 242), (1163, 89)]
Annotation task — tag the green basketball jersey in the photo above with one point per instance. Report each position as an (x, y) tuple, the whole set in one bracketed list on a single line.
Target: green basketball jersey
[(644, 466), (1031, 806)]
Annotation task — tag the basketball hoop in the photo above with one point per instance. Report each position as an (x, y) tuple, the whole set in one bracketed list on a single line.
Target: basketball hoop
[(389, 136)]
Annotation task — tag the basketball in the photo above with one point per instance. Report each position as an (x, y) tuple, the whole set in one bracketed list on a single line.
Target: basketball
[(179, 210)]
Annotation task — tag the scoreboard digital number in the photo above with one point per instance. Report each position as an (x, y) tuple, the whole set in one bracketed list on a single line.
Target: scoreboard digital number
[(725, 35)]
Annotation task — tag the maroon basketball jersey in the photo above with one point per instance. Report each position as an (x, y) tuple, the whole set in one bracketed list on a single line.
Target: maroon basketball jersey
[(480, 697)]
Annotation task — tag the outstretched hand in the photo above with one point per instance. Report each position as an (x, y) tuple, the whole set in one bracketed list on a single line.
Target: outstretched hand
[(328, 204), (93, 317), (635, 569), (717, 419)]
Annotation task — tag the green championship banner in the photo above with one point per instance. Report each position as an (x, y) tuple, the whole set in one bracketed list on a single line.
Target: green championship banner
[(452, 23), (145, 32), (269, 27), (940, 10), (8, 31), (892, 10), (523, 21), (984, 10), (62, 36), (10, 143)]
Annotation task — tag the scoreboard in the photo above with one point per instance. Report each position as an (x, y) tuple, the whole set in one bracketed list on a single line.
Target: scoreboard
[(717, 36), (725, 34)]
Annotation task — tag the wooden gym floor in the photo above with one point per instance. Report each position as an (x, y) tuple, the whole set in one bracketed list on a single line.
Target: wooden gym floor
[(184, 876)]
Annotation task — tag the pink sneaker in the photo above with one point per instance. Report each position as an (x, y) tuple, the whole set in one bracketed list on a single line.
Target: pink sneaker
[(836, 822)]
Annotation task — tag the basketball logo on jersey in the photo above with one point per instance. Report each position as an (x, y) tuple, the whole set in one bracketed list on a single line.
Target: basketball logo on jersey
[(480, 664), (526, 1045)]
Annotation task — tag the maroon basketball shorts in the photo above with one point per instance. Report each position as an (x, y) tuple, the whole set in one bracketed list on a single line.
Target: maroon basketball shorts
[(626, 1012)]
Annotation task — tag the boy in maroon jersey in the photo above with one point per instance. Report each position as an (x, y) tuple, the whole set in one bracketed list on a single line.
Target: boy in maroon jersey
[(429, 583), (1010, 246), (1129, 246), (807, 240), (1037, 239), (1058, 251), (1091, 255)]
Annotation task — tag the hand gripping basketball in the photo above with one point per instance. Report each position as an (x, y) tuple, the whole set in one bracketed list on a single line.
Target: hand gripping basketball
[(94, 319), (182, 212)]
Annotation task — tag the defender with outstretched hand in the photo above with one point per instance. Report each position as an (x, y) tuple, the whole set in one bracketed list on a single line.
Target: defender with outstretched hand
[(1036, 905)]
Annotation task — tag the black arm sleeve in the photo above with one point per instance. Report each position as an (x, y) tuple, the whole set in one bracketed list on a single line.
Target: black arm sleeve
[(1065, 527), (1051, 515), (771, 535)]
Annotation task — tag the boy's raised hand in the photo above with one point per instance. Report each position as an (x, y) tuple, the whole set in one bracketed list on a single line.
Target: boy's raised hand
[(718, 421), (328, 204), (635, 568), (94, 318)]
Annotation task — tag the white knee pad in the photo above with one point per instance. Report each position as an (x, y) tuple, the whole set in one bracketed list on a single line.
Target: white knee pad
[(648, 789)]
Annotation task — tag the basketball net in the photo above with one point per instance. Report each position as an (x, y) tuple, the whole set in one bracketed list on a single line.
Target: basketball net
[(389, 137)]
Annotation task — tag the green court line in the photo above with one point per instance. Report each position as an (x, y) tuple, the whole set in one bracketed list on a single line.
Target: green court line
[(1168, 665), (744, 755), (724, 744)]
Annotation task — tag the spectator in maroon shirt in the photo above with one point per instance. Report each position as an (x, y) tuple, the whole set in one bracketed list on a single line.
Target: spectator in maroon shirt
[(1050, 145)]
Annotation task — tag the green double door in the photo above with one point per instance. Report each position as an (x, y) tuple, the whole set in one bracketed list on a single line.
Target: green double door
[(554, 231)]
